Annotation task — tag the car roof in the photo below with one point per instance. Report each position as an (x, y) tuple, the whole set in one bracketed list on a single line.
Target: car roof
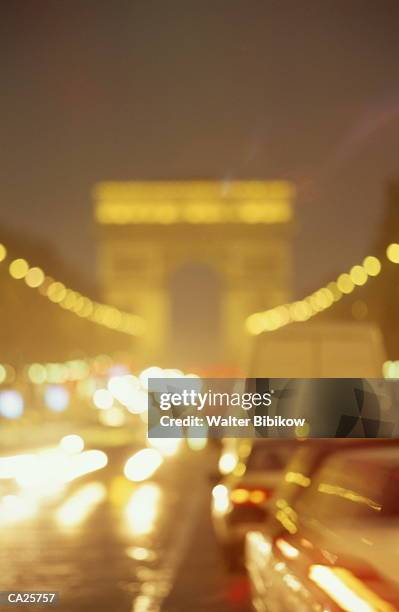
[(309, 456), (383, 454)]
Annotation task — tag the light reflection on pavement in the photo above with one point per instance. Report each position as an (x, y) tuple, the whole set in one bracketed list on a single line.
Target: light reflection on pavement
[(109, 544)]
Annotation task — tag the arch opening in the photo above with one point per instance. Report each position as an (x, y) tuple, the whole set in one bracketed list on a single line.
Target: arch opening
[(195, 291)]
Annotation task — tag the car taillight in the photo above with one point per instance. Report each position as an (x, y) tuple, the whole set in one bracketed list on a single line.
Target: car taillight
[(245, 495)]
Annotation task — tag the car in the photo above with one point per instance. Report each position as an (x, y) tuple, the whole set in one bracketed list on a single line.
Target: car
[(331, 540), (241, 498)]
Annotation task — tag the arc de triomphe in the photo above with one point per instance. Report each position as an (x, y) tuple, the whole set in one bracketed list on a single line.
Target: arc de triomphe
[(241, 230)]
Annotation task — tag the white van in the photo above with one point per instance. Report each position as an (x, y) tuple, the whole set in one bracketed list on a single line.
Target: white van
[(335, 349)]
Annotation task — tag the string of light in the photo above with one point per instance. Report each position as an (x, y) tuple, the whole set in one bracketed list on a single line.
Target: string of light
[(55, 372), (322, 299), (71, 300)]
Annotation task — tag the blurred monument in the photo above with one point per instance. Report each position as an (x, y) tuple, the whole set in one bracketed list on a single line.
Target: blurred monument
[(194, 258)]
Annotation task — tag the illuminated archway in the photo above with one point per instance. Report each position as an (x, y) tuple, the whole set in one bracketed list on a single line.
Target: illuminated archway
[(240, 229)]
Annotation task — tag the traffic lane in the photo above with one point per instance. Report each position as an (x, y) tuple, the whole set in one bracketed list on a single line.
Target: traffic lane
[(129, 551), (191, 573), (97, 556), (202, 583)]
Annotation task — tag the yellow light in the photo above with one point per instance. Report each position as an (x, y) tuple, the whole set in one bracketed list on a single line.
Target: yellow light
[(122, 387), (336, 293), (393, 252), (239, 496), (194, 202), (85, 463), (259, 545), (142, 509), (140, 408), (240, 469), (3, 252), (37, 373), (345, 283), (45, 474), (298, 478), (275, 318), (390, 369), (10, 372), (255, 323), (3, 374), (323, 298), (78, 369), (284, 314), (112, 417), (257, 496), (151, 372), (72, 444), (372, 265), (11, 466), (78, 507), (197, 444), (314, 302), (35, 277), (139, 553), (18, 268), (286, 521), (302, 431), (138, 402), (350, 593), (227, 462), (56, 292), (358, 275), (300, 311), (103, 399), (143, 464), (16, 508), (221, 502), (287, 549), (84, 307), (352, 496), (70, 300)]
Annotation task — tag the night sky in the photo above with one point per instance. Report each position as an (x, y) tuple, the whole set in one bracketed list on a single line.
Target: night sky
[(95, 90)]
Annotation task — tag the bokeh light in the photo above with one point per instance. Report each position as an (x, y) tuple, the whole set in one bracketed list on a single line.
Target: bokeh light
[(143, 464), (103, 399), (112, 417), (143, 508), (80, 505), (372, 265), (72, 444), (56, 398), (393, 252), (34, 277), (3, 252), (11, 404), (18, 268)]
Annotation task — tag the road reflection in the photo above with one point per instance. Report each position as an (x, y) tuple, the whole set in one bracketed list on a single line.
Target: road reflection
[(80, 505), (143, 508), (77, 521)]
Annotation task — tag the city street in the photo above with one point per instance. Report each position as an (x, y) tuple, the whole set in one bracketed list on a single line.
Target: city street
[(106, 543), (199, 297)]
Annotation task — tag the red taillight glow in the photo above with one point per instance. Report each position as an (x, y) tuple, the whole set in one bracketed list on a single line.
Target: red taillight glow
[(242, 495)]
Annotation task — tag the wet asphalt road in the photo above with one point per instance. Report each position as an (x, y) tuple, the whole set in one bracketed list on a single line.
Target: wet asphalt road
[(142, 548)]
